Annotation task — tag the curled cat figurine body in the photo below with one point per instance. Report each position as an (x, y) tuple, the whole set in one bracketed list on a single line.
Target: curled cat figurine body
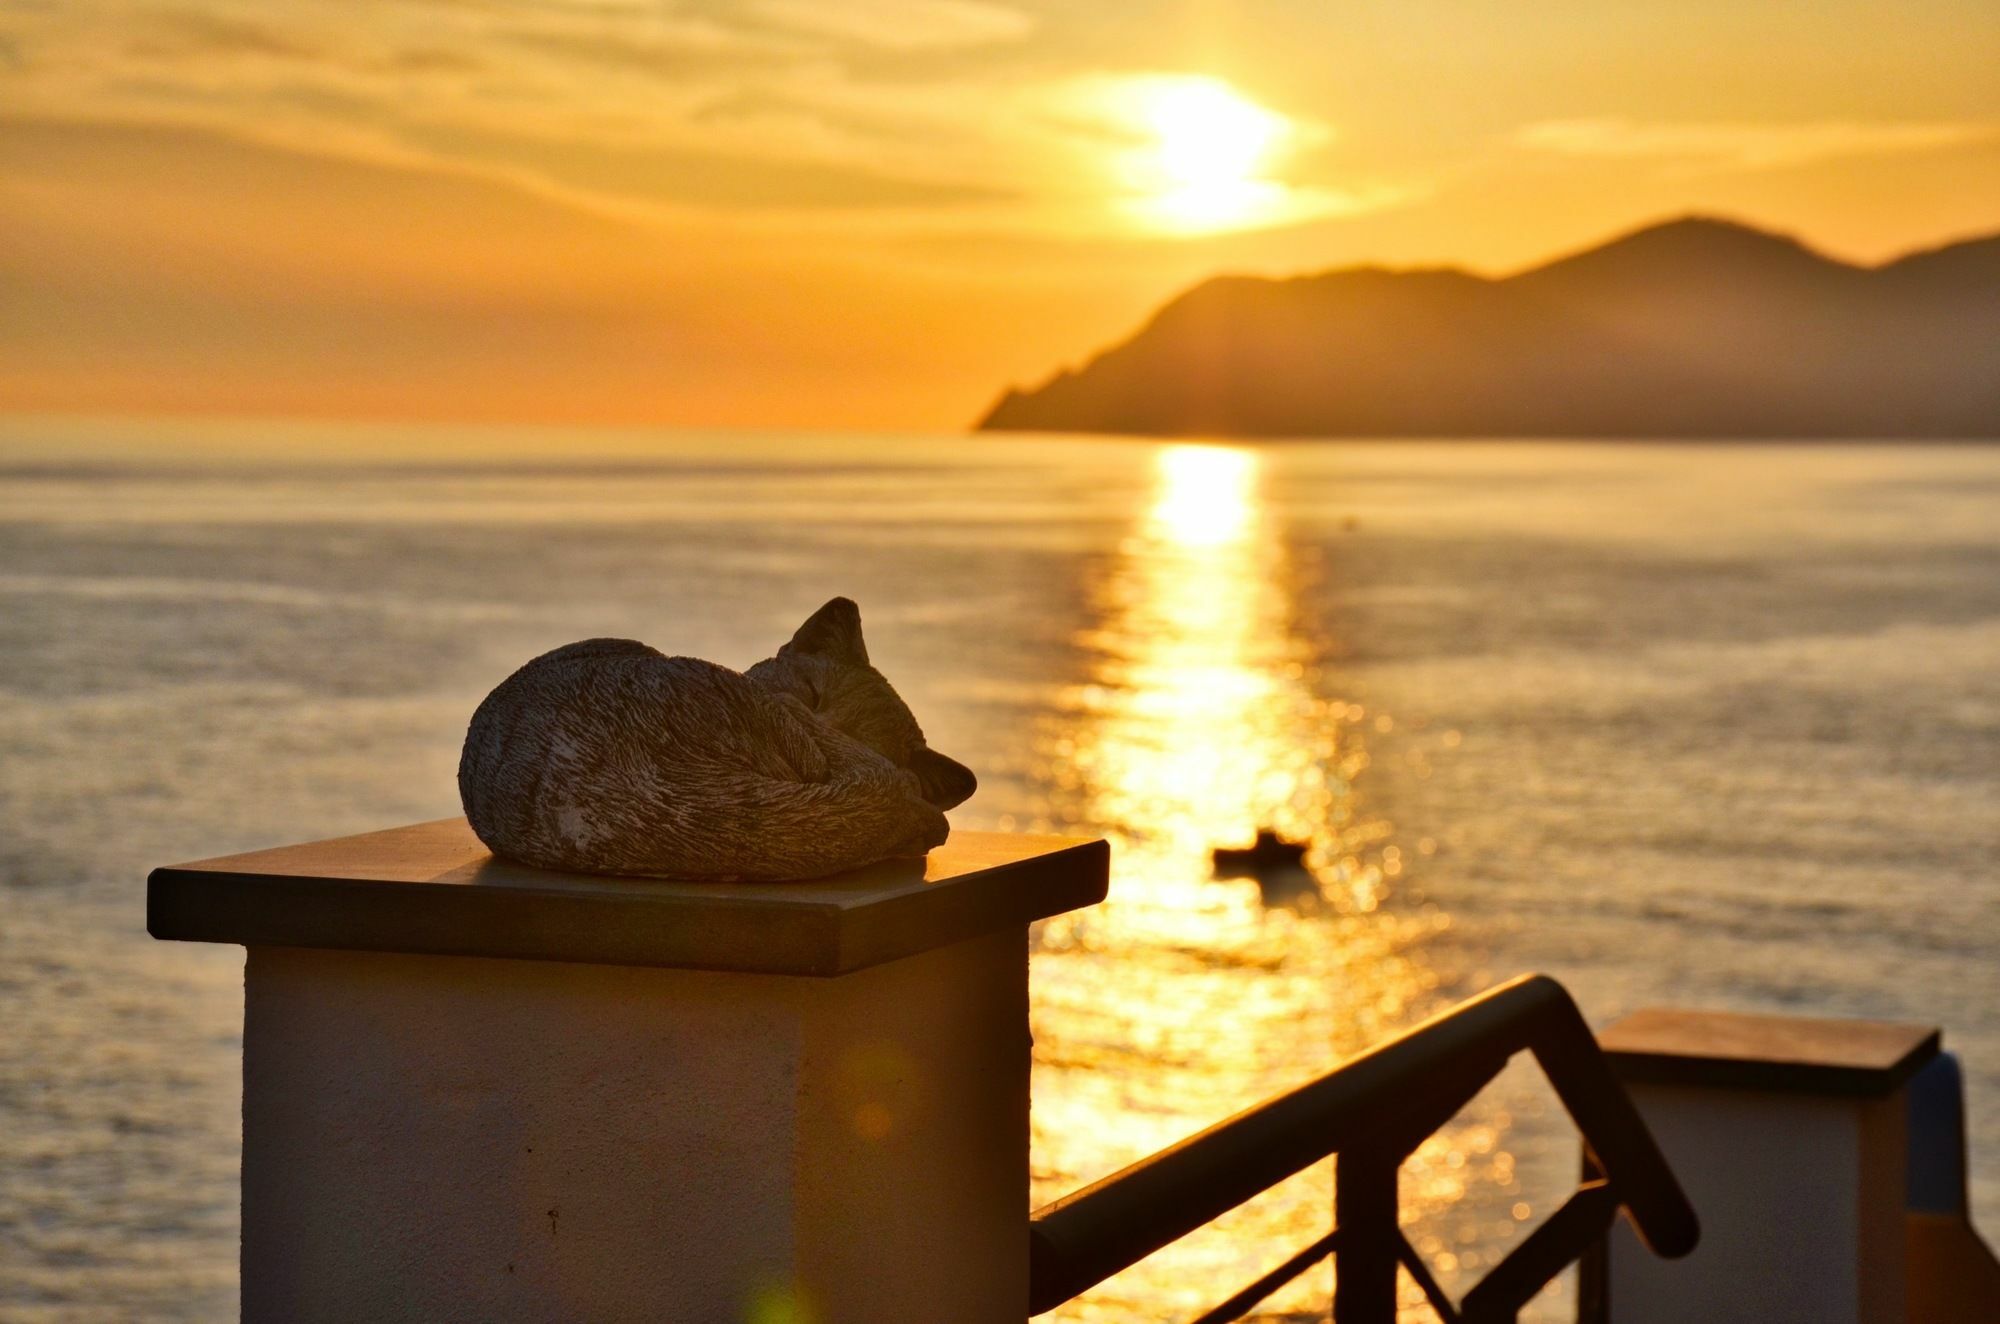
[(607, 756)]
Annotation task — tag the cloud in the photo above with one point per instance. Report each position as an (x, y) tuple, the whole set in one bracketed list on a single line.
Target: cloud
[(902, 25), (1745, 146), (631, 108), (195, 31), (671, 55), (694, 178)]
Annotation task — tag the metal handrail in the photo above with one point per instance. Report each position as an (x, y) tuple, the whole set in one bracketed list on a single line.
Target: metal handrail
[(1374, 1111)]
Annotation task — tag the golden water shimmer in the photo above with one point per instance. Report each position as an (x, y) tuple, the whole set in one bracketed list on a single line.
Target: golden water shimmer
[(1184, 997)]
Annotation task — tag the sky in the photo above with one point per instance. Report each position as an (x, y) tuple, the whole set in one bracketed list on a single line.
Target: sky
[(856, 214)]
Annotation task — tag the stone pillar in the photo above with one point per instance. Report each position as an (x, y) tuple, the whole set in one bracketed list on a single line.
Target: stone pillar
[(1790, 1137), (478, 1091)]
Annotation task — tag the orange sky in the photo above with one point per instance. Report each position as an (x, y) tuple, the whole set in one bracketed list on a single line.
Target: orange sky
[(876, 213)]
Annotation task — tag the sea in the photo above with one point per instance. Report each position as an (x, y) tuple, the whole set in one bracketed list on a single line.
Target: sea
[(1705, 725)]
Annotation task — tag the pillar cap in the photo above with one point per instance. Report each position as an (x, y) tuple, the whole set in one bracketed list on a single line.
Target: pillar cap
[(1791, 1054), (434, 888)]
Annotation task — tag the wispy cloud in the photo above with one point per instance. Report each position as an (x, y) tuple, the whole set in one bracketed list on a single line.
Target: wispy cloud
[(628, 105), (1745, 146), (195, 31), (904, 25)]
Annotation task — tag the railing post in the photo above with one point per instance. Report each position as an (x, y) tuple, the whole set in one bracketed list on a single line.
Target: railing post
[(1366, 1210), (1790, 1135), (476, 1091)]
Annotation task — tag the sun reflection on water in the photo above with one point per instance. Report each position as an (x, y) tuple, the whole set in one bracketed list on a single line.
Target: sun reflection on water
[(1183, 998), (1198, 726)]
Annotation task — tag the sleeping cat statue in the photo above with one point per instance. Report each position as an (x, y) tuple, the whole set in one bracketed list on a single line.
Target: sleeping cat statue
[(608, 756)]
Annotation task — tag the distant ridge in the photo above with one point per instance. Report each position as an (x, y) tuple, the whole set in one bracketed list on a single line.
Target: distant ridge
[(1697, 327)]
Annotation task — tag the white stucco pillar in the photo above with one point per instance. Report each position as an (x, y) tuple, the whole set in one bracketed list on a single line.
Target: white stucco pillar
[(1790, 1138), (478, 1091)]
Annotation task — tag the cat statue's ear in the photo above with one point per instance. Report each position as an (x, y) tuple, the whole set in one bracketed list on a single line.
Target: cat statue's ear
[(945, 782), (832, 632)]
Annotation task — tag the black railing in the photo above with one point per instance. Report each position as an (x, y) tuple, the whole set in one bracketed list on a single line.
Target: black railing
[(1373, 1112)]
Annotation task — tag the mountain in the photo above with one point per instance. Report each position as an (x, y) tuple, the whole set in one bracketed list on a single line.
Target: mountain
[(1692, 328)]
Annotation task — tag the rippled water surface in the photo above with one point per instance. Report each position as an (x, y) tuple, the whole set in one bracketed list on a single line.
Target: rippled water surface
[(1708, 725)]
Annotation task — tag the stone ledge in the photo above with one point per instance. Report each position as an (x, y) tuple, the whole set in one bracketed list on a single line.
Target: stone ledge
[(433, 888), (1665, 1046)]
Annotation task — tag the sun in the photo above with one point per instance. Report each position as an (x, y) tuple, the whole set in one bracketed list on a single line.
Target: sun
[(1190, 154), (1204, 151), (1208, 134)]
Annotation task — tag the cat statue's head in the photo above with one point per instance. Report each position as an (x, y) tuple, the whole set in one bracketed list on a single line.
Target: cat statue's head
[(825, 667)]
